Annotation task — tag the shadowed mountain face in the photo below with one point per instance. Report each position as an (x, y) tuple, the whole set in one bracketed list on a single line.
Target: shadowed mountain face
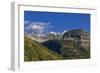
[(53, 45)]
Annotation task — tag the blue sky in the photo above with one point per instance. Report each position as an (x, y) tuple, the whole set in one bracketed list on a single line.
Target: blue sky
[(54, 21)]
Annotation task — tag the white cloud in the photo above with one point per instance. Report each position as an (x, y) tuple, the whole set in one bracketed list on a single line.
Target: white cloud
[(37, 27), (53, 32)]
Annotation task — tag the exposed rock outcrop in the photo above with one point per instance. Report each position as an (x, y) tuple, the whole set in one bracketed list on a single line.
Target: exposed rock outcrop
[(80, 36)]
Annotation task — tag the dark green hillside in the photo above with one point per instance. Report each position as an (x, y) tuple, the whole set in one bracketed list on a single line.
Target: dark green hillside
[(34, 51)]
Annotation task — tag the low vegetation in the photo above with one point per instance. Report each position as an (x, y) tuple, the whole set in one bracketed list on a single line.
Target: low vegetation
[(34, 51)]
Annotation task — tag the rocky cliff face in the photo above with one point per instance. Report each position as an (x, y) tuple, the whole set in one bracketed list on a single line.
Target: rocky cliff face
[(81, 36), (76, 33)]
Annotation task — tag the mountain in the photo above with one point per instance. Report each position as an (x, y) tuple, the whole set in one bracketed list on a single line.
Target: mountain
[(38, 37), (44, 37), (34, 51), (80, 36), (69, 49), (64, 32), (54, 35), (75, 33), (73, 44)]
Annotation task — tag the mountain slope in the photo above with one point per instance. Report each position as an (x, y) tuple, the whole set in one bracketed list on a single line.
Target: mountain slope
[(34, 51), (69, 49)]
